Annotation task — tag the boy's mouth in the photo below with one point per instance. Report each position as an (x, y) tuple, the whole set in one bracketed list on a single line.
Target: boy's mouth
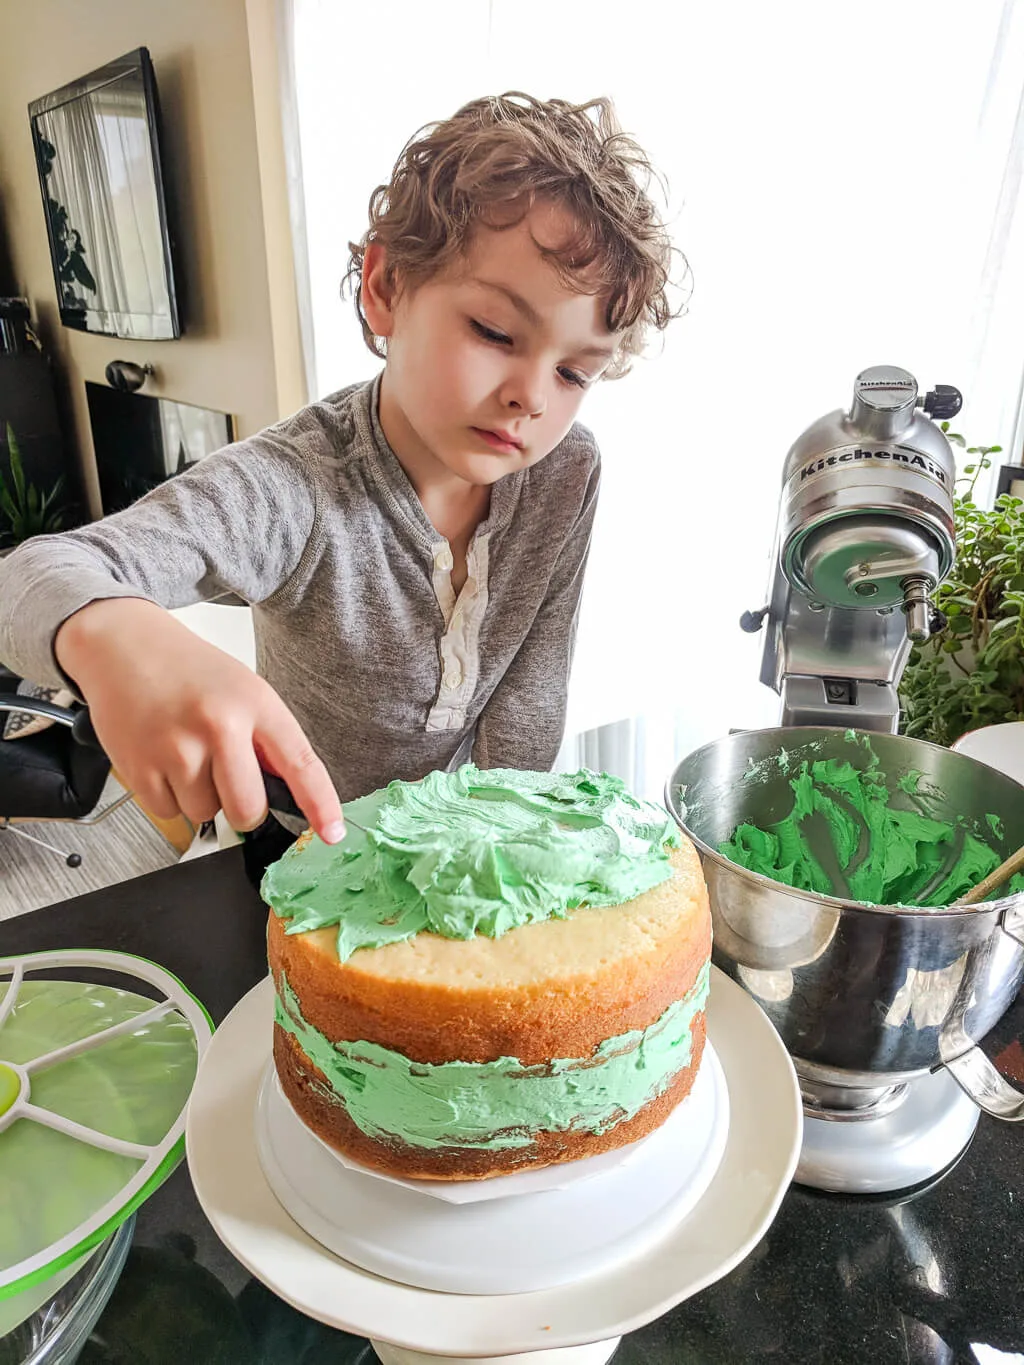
[(499, 440)]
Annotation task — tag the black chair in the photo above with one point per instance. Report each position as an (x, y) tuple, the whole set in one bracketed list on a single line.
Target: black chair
[(58, 774)]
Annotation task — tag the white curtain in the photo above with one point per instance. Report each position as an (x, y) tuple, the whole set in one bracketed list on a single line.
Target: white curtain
[(79, 180), (845, 182)]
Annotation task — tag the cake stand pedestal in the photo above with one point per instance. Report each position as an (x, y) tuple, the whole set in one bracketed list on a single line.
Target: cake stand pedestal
[(577, 1323), (597, 1353)]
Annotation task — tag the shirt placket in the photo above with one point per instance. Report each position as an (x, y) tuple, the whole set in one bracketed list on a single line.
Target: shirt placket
[(460, 643)]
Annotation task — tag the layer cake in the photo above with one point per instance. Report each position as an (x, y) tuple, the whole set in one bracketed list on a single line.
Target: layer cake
[(509, 970)]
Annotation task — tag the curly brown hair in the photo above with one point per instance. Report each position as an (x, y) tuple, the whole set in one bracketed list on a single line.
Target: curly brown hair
[(490, 163)]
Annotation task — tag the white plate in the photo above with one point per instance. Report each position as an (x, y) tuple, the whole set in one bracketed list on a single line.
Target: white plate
[(525, 1240), (761, 1152)]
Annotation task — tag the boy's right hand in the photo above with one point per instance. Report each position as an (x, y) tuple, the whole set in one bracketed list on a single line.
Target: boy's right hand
[(187, 727)]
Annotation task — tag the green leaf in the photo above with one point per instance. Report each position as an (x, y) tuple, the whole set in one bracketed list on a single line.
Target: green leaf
[(17, 472), (54, 493), (947, 687), (6, 502)]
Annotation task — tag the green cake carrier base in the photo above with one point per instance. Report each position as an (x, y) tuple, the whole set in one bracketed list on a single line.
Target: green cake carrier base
[(95, 1077)]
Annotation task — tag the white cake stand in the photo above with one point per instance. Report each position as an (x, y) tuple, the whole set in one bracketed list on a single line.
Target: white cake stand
[(579, 1323), (511, 1235)]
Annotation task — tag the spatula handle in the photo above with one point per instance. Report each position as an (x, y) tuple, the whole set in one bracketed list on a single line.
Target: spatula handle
[(1006, 869)]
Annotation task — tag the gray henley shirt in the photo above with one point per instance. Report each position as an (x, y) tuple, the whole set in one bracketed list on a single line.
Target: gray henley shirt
[(315, 524)]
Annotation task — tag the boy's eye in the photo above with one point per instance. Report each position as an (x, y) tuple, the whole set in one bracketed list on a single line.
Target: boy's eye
[(566, 375), (489, 334)]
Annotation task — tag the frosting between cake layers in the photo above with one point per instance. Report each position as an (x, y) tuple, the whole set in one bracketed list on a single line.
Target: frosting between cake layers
[(907, 853), (473, 852), (502, 1104)]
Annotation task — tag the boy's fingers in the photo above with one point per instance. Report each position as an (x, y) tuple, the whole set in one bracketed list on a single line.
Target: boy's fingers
[(198, 801), (153, 793), (191, 780), (292, 756), (239, 783)]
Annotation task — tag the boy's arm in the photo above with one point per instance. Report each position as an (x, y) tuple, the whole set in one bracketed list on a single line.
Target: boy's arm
[(187, 727), (521, 726), (236, 522)]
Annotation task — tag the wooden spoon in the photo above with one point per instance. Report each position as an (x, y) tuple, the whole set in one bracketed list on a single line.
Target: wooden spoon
[(1014, 863)]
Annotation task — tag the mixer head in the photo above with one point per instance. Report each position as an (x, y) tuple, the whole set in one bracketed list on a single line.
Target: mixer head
[(865, 535)]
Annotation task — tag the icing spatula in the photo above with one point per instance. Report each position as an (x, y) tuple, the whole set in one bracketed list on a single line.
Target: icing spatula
[(285, 809)]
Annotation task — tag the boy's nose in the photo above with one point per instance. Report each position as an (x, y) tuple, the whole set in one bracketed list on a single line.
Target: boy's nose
[(525, 393)]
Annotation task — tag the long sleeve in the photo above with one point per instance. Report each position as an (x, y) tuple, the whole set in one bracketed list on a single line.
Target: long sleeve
[(522, 723), (236, 522)]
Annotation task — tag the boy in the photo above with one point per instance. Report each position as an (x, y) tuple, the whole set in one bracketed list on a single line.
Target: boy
[(413, 548)]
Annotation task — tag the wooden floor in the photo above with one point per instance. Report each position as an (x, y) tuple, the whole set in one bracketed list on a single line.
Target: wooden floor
[(125, 844)]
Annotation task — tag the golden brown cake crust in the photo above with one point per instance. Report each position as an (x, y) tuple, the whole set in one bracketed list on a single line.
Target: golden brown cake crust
[(308, 1091), (552, 989)]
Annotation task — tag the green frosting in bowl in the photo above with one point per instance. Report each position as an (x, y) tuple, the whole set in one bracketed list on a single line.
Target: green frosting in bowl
[(473, 852), (844, 818)]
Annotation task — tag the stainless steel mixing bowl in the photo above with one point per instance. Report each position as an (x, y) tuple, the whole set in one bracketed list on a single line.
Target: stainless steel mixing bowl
[(864, 996)]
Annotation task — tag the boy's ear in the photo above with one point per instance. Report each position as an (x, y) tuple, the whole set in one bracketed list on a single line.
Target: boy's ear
[(378, 290)]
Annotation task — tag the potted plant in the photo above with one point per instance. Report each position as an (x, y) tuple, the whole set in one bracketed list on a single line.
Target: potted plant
[(24, 509), (971, 673)]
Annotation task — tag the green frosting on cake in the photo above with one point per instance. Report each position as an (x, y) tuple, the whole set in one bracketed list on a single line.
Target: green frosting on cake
[(887, 855), (473, 852), (502, 1104)]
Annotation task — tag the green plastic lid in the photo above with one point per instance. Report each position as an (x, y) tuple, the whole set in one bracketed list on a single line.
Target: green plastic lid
[(94, 1082)]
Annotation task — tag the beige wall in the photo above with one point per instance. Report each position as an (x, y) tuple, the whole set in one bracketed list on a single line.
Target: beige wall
[(238, 352)]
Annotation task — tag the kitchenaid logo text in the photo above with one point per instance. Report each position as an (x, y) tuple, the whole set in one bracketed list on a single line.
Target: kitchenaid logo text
[(907, 457)]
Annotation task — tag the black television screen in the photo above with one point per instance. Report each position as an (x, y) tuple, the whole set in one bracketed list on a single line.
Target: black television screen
[(98, 155), (140, 441)]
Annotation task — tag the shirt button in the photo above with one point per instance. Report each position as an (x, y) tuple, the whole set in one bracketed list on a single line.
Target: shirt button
[(452, 679), (443, 559)]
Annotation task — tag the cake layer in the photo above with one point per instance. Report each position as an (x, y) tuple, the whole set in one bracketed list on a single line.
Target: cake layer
[(557, 988), (500, 1103), (473, 852), (317, 1104)]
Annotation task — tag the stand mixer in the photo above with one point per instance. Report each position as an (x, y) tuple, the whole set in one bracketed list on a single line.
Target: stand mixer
[(865, 535), (880, 1007)]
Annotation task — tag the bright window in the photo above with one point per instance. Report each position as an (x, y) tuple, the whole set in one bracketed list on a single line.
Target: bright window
[(844, 181)]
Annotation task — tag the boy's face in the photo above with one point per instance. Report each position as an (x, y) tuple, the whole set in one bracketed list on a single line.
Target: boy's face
[(489, 361)]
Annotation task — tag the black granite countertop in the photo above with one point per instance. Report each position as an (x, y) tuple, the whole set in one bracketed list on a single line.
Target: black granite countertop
[(920, 1278)]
